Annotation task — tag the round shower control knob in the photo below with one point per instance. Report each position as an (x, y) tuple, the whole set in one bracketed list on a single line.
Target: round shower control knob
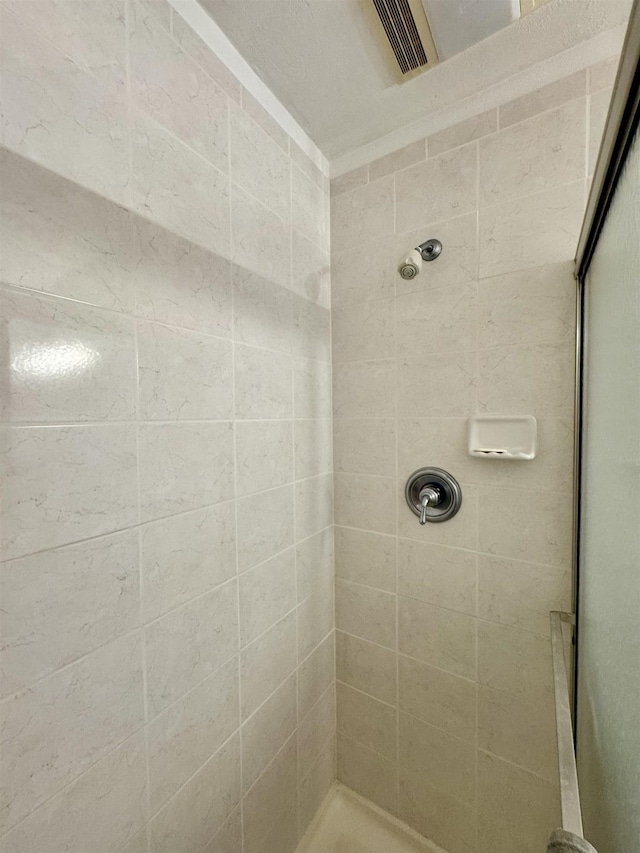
[(433, 495)]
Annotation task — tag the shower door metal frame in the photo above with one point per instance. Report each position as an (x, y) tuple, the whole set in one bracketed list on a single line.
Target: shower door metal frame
[(622, 123)]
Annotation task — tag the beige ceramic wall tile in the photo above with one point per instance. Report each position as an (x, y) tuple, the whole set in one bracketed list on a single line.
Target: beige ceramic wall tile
[(181, 284), (437, 575), (441, 441), (364, 389), (64, 239), (366, 667), (185, 646), (368, 773), (264, 455), (205, 57), (311, 269), (309, 208), (81, 129), (527, 307), (537, 154), (520, 729), (460, 134), (366, 214), (368, 558), (315, 674), (198, 810), (366, 612), (94, 469), (521, 595), (350, 180), (266, 662), (67, 362), (537, 379), (363, 331), (183, 375), (526, 525), (447, 392), (104, 690), (264, 119), (184, 466), (516, 810), (438, 697), (176, 92), (518, 234), (270, 796), (314, 505), (314, 562), (108, 800), (188, 732), (512, 661), (262, 312), (365, 446), (364, 274), (367, 721), (400, 159), (174, 186), (266, 731), (315, 787), (445, 820), (184, 556), (315, 730), (313, 447), (267, 593), (229, 837), (602, 75), (39, 631), (366, 502), (437, 321), (311, 388), (261, 240), (440, 637), (258, 164), (441, 188), (545, 98), (451, 762), (315, 619), (263, 386)]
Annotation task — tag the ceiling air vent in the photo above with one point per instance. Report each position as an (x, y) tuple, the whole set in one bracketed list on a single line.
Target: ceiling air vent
[(407, 31)]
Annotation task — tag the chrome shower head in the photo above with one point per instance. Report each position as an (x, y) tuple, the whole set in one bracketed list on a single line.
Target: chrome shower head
[(410, 266)]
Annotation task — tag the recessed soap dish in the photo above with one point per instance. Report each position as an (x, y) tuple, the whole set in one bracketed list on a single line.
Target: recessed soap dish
[(503, 437)]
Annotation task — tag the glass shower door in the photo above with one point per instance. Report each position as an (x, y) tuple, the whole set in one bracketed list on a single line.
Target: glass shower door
[(608, 683)]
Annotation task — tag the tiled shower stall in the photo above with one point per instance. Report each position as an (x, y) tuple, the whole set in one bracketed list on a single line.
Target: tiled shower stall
[(171, 311)]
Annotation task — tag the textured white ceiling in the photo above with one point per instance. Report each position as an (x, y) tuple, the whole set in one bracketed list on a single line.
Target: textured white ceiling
[(321, 59)]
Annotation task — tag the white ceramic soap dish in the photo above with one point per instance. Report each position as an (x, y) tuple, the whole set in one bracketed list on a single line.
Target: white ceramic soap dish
[(503, 436)]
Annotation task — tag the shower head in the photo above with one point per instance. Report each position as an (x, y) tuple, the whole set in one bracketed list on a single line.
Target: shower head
[(410, 266)]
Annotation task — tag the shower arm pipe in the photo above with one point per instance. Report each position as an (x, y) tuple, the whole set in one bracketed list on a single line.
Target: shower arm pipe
[(567, 769)]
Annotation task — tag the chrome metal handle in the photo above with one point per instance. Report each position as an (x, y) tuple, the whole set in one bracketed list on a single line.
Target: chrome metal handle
[(429, 496)]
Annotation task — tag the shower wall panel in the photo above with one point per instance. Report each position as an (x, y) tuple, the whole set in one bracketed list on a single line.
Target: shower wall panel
[(167, 577), (445, 706)]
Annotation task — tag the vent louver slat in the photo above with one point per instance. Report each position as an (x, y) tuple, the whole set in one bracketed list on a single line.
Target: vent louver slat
[(401, 30)]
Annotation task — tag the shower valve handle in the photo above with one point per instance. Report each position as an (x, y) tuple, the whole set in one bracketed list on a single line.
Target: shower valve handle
[(429, 496)]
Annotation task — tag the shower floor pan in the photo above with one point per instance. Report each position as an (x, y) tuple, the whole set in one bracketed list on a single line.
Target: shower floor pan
[(347, 823)]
